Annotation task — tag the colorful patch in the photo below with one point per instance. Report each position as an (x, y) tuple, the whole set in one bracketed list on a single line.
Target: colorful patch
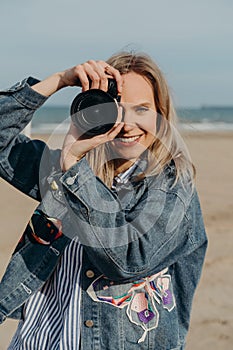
[(140, 298)]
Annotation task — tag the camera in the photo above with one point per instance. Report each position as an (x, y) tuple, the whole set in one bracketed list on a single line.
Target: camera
[(95, 111)]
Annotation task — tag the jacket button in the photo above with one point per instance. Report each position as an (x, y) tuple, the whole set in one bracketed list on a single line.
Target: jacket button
[(54, 185), (70, 181), (89, 323), (90, 274)]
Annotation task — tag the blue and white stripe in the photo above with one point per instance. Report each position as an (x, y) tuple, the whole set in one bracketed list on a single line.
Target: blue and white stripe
[(52, 315)]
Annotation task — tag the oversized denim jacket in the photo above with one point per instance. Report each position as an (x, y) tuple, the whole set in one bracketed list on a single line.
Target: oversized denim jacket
[(144, 244)]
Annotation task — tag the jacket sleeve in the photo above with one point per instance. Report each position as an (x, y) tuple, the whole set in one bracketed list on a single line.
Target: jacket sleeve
[(143, 236), (20, 156)]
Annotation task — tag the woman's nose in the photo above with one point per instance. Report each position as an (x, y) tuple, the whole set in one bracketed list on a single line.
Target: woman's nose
[(127, 118)]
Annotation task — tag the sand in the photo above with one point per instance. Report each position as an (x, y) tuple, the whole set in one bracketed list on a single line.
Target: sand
[(212, 317)]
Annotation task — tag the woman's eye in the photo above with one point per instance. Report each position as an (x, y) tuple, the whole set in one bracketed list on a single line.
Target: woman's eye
[(142, 109)]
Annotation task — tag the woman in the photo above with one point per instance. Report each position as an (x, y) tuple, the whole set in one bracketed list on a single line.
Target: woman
[(112, 256)]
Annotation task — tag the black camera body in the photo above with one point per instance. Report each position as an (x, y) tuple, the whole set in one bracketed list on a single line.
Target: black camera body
[(95, 111)]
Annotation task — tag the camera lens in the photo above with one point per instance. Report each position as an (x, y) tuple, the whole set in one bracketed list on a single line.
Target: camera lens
[(94, 112)]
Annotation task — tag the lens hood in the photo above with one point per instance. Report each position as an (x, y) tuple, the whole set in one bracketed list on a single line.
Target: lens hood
[(94, 112)]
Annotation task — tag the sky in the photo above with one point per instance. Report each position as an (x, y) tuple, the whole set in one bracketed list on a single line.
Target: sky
[(192, 42)]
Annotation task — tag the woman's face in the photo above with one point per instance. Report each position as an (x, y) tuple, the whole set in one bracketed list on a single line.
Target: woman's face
[(139, 117)]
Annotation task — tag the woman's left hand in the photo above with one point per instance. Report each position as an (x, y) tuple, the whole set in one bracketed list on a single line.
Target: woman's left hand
[(75, 145)]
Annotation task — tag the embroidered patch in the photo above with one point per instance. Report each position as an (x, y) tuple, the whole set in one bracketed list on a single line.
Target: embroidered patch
[(139, 298)]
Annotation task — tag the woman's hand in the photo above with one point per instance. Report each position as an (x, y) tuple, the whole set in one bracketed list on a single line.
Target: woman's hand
[(75, 146), (89, 75)]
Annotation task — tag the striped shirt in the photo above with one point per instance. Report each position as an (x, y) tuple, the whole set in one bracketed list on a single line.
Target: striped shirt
[(52, 315), (52, 318)]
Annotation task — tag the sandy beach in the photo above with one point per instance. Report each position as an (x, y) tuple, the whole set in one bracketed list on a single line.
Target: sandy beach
[(212, 317)]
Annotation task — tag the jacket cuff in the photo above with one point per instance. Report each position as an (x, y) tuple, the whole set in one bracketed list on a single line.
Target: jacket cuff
[(25, 95), (77, 176)]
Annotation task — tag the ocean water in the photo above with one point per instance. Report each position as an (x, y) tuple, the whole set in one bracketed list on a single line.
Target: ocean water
[(55, 119)]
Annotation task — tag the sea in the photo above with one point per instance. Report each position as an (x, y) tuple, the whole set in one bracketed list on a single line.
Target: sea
[(56, 119)]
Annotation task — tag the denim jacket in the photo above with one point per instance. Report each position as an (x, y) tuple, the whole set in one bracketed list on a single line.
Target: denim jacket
[(144, 243)]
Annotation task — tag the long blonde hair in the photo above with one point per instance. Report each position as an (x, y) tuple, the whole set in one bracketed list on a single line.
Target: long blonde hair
[(168, 144)]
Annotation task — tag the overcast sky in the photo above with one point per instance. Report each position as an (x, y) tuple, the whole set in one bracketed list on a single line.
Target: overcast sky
[(190, 40)]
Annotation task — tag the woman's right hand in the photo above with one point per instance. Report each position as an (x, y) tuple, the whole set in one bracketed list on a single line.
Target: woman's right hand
[(89, 75)]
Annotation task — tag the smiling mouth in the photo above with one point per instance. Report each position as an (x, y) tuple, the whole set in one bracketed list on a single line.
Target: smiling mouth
[(128, 139)]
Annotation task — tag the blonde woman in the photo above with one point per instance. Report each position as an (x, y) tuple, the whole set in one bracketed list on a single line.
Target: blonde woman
[(112, 256)]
